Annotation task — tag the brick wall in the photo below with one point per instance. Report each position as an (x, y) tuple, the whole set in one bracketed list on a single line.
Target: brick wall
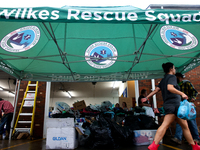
[(145, 84), (192, 75), (40, 106)]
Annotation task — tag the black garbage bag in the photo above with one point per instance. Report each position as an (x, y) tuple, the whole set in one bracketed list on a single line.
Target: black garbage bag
[(122, 135), (86, 125), (88, 108), (133, 122), (67, 115), (83, 138), (129, 113), (103, 120), (100, 136), (119, 116), (147, 122), (139, 109), (56, 115)]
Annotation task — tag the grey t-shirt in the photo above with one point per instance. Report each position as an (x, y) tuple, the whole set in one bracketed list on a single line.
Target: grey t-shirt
[(168, 97)]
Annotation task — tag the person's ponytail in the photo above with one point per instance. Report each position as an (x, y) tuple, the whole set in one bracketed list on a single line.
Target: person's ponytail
[(167, 66)]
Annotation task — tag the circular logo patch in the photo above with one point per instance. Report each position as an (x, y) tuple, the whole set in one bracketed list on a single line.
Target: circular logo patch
[(178, 38), (101, 55), (21, 39)]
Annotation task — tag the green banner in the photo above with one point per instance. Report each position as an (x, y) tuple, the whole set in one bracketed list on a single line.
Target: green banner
[(100, 15)]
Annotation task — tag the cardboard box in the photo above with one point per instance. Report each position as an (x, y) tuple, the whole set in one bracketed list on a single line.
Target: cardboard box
[(144, 137), (59, 122), (79, 105), (61, 138), (22, 136), (128, 101)]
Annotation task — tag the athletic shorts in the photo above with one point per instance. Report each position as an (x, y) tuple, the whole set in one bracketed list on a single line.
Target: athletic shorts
[(171, 109)]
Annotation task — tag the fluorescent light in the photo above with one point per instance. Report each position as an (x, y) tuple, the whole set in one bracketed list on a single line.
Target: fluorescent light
[(1, 89), (69, 95)]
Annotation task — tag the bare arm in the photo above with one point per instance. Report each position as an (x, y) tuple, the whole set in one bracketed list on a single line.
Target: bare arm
[(153, 92), (143, 104), (171, 88)]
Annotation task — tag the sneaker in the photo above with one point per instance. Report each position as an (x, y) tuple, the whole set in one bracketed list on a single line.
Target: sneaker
[(153, 146), (177, 141), (196, 146), (197, 141)]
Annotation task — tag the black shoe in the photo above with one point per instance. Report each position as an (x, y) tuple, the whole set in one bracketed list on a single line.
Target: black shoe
[(177, 141)]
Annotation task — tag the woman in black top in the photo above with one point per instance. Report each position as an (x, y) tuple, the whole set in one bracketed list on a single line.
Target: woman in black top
[(171, 97)]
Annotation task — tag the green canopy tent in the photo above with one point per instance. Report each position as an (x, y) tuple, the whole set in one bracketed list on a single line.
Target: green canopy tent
[(92, 44)]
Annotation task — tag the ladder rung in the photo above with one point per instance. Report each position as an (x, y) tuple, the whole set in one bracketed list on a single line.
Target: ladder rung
[(24, 121), (30, 91), (32, 84), (28, 106), (29, 99), (22, 129), (26, 114)]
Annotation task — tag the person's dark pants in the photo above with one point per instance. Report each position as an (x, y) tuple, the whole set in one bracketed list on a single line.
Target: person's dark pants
[(193, 129), (6, 119)]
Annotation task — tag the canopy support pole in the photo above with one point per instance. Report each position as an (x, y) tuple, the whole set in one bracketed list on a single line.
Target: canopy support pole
[(192, 61), (65, 37), (46, 112), (137, 59), (15, 107), (136, 92), (154, 97)]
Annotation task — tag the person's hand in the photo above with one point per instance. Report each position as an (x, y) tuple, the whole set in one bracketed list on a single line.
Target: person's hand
[(156, 110), (184, 96), (192, 100), (149, 105), (143, 100)]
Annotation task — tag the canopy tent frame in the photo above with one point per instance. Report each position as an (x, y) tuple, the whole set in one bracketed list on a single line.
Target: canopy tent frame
[(137, 59), (141, 30), (62, 54)]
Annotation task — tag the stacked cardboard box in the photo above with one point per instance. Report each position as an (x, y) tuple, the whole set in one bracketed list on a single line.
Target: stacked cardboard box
[(61, 134)]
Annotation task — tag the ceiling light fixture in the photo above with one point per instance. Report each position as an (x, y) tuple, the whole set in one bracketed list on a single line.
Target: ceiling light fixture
[(69, 95)]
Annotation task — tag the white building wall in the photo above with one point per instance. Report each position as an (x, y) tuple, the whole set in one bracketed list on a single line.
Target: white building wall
[(10, 99)]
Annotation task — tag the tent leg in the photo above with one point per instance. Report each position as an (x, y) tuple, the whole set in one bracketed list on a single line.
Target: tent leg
[(154, 97), (46, 112), (15, 107), (136, 91)]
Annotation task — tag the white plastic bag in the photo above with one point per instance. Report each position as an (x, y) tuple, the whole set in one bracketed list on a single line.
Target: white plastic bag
[(186, 110), (149, 111)]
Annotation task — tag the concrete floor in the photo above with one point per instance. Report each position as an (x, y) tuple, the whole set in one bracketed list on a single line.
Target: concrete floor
[(40, 144)]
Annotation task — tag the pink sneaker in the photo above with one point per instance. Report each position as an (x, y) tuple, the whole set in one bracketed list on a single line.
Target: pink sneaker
[(153, 146), (196, 146)]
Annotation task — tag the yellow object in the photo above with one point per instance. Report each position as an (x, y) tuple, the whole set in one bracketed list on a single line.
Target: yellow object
[(28, 101)]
